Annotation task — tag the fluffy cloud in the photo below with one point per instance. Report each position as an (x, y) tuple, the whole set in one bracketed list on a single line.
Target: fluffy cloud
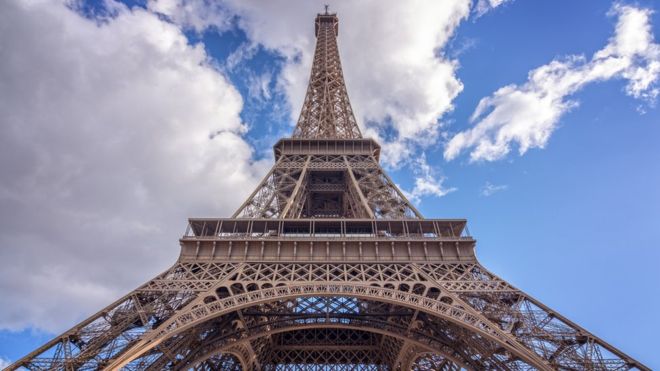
[(427, 182), (399, 82), (193, 14), (484, 6), (528, 114), (112, 132)]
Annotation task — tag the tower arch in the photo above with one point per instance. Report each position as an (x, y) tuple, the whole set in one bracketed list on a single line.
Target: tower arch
[(200, 312)]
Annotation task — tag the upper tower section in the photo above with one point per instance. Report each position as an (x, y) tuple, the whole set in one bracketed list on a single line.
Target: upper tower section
[(326, 111)]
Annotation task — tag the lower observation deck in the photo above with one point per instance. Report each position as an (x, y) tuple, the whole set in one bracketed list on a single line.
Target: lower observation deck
[(302, 146), (328, 240)]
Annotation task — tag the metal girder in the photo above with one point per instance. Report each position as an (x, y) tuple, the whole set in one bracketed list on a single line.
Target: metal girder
[(294, 205)]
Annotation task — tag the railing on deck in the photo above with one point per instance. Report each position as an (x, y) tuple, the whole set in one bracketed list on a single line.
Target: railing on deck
[(326, 228)]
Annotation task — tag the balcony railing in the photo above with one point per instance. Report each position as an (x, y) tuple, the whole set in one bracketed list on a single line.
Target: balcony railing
[(327, 228)]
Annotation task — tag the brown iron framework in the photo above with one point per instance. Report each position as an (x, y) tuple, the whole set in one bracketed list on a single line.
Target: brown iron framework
[(325, 266)]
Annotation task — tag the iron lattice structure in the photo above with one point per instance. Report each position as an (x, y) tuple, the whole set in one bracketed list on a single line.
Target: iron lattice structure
[(325, 266)]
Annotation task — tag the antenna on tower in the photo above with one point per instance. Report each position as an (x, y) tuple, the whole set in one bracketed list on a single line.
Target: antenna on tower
[(326, 8)]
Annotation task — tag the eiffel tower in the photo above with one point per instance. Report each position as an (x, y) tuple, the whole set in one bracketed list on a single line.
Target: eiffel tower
[(327, 266)]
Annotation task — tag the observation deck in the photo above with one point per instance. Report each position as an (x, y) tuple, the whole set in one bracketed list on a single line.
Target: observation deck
[(304, 146), (327, 240)]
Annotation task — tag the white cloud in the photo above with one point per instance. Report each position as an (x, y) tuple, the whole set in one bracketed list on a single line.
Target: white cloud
[(528, 114), (490, 189), (4, 363), (105, 149), (399, 82), (244, 52), (259, 86), (197, 15), (484, 6), (427, 182)]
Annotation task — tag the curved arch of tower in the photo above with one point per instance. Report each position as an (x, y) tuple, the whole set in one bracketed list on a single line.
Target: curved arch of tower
[(326, 266)]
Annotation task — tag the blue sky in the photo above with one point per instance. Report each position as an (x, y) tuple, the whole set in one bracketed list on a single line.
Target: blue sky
[(573, 221)]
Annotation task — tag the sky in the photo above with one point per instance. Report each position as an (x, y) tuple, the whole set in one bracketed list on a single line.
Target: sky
[(538, 121)]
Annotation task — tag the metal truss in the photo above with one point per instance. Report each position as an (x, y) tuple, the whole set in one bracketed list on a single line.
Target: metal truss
[(326, 111), (327, 266), (221, 362), (327, 186), (432, 361)]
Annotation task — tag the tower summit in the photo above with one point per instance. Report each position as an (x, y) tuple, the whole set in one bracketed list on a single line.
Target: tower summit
[(327, 266), (326, 111)]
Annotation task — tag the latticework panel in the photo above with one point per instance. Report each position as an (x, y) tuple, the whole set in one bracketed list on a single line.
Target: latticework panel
[(335, 359), (336, 348), (326, 338)]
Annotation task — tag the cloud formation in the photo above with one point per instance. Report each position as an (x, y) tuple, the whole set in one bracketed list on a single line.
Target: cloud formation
[(427, 182), (527, 114), (197, 15), (490, 189), (105, 149), (484, 6)]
